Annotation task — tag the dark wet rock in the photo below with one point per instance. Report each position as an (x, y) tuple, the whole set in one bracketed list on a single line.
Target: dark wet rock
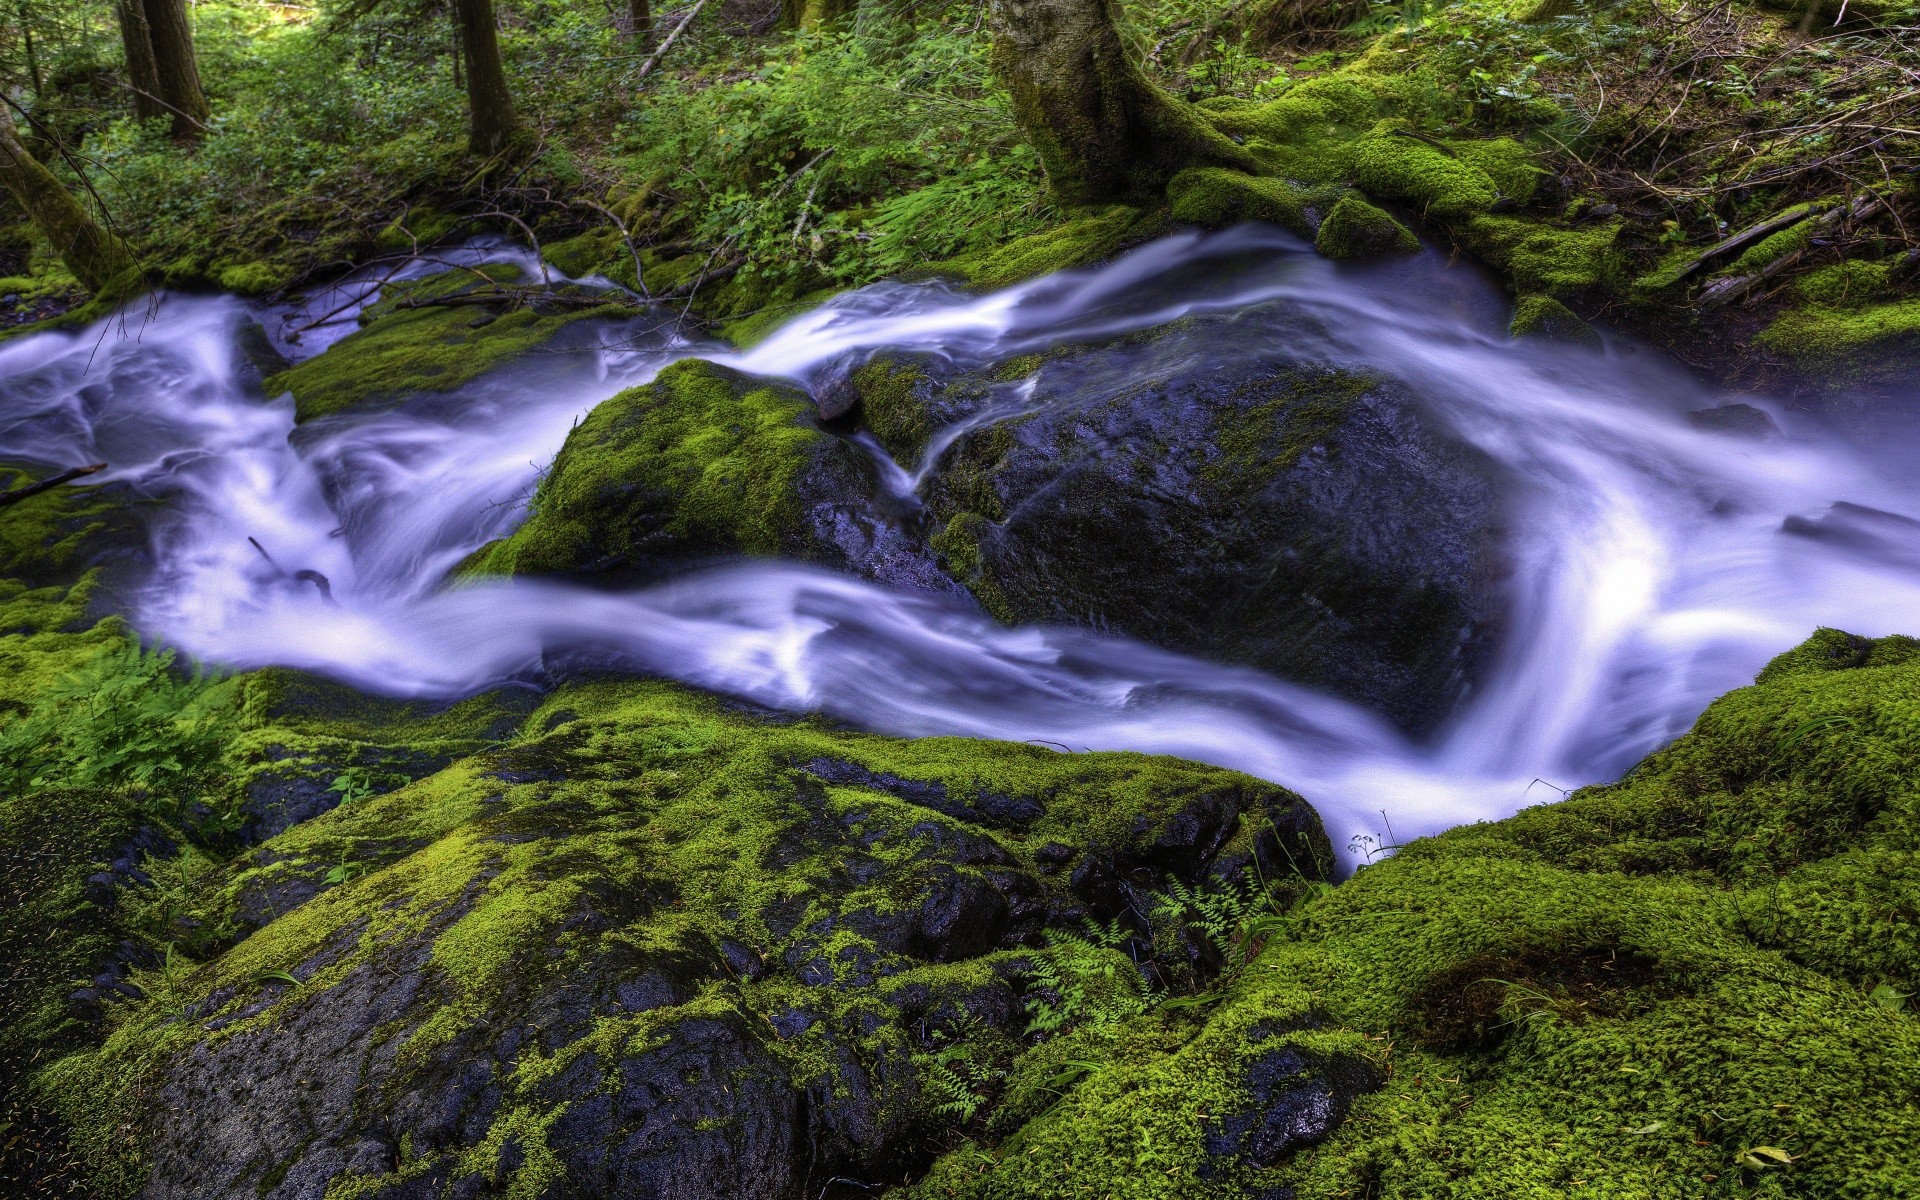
[(1289, 1100), (1737, 420), (1874, 534), (682, 964), (1308, 521), (982, 807)]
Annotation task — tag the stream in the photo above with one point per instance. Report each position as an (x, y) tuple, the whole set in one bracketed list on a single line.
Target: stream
[(1655, 564)]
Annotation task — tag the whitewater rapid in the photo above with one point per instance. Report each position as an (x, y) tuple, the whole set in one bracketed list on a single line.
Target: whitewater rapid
[(1654, 565)]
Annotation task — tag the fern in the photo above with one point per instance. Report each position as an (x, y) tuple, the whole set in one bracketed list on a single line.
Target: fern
[(126, 719), (1085, 982)]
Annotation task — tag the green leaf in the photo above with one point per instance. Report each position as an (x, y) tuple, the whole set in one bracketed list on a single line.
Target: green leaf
[(276, 976), (1762, 1158)]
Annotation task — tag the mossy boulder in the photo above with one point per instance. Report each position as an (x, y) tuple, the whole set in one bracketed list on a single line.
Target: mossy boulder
[(1857, 322), (655, 947), (1547, 318), (1217, 197), (1310, 521), (704, 462), (1354, 229), (411, 342), (1691, 983)]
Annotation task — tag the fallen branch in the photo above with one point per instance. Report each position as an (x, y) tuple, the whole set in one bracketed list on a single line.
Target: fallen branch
[(646, 68), (1722, 292), (516, 296), (18, 494), (1744, 238)]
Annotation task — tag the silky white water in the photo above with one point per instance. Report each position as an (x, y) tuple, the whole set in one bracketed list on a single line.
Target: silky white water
[(1650, 568)]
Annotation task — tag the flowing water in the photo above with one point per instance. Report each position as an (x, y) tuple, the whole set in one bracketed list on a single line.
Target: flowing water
[(1655, 565)]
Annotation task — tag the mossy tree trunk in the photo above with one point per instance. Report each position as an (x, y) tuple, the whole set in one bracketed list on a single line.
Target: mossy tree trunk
[(142, 75), (179, 75), (95, 256), (494, 124), (638, 25), (1102, 130)]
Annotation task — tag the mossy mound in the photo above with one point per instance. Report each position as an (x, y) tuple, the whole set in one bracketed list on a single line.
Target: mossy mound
[(1088, 235), (1692, 983), (1545, 317), (654, 946), (1215, 196), (1840, 329), (402, 350), (1354, 229), (702, 461)]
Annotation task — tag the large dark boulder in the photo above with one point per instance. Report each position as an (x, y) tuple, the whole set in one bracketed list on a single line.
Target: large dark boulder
[(1205, 490), (657, 948)]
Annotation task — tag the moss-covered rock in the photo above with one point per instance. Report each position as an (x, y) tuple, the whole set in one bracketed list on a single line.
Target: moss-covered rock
[(1216, 197), (702, 461), (1354, 229), (1545, 317), (1691, 983), (403, 350), (1088, 235), (654, 945)]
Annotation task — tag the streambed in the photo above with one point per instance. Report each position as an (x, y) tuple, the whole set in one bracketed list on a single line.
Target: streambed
[(1650, 560)]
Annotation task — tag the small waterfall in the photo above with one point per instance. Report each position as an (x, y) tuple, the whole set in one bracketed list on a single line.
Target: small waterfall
[(1656, 565)]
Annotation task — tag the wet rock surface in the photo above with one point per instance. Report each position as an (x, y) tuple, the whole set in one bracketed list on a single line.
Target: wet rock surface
[(692, 956), (1186, 491)]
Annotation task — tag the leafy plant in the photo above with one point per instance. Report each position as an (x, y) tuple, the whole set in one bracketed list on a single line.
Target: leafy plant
[(354, 784), (1082, 982), (126, 719)]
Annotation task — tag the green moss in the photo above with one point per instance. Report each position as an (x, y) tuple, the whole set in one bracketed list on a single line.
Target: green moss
[(1308, 112), (1354, 229), (1509, 164), (1389, 165), (595, 250), (420, 227), (1544, 259), (1545, 317), (404, 350), (1216, 197), (748, 331), (253, 278), (1298, 414), (1842, 284), (1089, 236), (893, 404), (703, 458), (56, 536), (1773, 247), (1874, 337), (1632, 989)]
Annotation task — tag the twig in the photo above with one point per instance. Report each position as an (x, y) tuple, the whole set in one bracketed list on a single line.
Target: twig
[(8, 499)]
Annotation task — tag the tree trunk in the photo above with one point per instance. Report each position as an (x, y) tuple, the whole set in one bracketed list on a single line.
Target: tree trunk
[(174, 65), (142, 75), (494, 123), (95, 256), (811, 14), (1102, 130), (638, 25)]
